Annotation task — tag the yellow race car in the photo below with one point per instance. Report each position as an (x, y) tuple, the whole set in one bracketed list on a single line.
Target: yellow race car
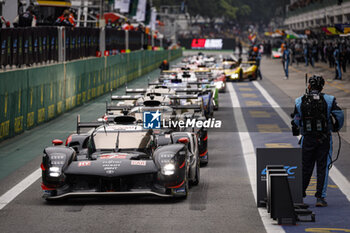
[(246, 70)]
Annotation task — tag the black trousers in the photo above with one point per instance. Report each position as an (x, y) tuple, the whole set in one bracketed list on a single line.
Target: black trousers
[(315, 149)]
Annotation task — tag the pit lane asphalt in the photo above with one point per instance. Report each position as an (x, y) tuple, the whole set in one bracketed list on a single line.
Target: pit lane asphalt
[(223, 201)]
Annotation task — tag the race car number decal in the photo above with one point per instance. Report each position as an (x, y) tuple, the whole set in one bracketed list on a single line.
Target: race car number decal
[(138, 163), (84, 164)]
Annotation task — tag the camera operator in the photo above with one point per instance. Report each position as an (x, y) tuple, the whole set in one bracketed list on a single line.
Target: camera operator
[(313, 115)]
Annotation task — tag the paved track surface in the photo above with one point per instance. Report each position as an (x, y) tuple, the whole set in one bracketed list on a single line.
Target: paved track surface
[(222, 202)]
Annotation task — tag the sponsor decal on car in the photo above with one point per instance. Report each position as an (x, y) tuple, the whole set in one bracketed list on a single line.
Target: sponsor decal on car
[(180, 190), (84, 164), (112, 156), (138, 163)]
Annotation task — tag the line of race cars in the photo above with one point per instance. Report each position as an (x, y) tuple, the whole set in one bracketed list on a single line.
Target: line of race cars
[(138, 146)]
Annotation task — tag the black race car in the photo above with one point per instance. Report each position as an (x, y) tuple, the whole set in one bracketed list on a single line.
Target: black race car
[(121, 158)]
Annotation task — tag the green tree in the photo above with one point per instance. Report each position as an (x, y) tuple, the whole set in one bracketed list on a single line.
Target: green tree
[(231, 10)]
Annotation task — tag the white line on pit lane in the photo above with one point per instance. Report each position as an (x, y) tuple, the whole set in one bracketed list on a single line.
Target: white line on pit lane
[(250, 159), (338, 178), (7, 197)]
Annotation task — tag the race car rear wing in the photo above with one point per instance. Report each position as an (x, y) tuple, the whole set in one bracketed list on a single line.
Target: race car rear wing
[(134, 91), (175, 107), (178, 97), (198, 83), (169, 72), (186, 107), (86, 124), (126, 97), (248, 62), (118, 108), (187, 90)]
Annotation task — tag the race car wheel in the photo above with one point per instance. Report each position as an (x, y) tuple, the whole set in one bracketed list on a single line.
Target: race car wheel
[(197, 176), (186, 186), (223, 90), (216, 107), (205, 162)]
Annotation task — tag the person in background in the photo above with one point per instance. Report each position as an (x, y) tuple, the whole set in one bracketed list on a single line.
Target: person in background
[(343, 57), (109, 24), (306, 53), (65, 19), (164, 65), (250, 51), (325, 48), (330, 50), (71, 19), (336, 55), (348, 52), (292, 52), (322, 51), (26, 19), (3, 22), (298, 55), (285, 60), (255, 55), (283, 47), (314, 54), (127, 26), (240, 49)]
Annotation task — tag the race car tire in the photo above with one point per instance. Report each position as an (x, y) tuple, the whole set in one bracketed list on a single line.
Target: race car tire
[(185, 195), (216, 106), (186, 189), (205, 163), (54, 201), (198, 174), (223, 90)]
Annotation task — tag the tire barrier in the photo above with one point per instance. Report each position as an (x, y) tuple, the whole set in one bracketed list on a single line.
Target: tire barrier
[(29, 97)]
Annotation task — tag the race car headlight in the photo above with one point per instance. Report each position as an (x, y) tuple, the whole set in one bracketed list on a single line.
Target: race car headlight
[(54, 171), (168, 169), (234, 76), (55, 174)]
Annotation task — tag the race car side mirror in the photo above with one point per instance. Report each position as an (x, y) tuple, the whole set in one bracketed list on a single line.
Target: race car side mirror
[(183, 140), (57, 142)]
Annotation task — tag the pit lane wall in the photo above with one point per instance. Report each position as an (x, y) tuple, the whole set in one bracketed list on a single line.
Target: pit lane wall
[(29, 97)]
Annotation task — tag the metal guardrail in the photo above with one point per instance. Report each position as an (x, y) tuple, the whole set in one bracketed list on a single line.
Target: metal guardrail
[(29, 97)]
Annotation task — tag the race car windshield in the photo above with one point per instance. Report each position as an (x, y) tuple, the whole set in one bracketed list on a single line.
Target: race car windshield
[(105, 140), (133, 140), (121, 140)]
